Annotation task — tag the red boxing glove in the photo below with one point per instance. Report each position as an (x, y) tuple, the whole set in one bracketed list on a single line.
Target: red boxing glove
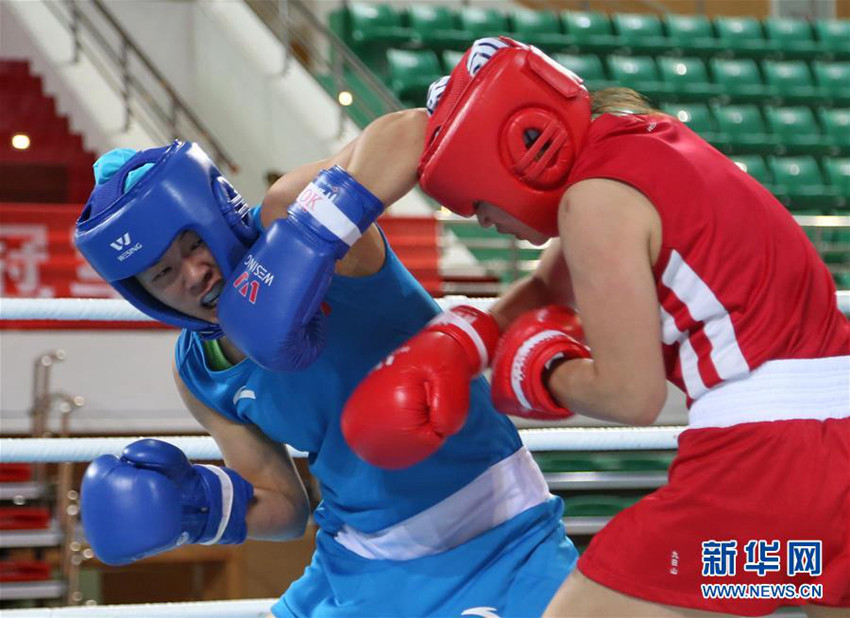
[(525, 352), (418, 396)]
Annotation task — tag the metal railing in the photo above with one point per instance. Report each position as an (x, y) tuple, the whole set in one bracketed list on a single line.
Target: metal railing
[(148, 97), (46, 401), (328, 59)]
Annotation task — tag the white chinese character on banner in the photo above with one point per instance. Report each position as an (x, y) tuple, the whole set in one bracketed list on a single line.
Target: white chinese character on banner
[(23, 249)]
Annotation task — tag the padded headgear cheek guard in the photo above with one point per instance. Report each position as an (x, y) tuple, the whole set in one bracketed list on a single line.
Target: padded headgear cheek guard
[(508, 136), (122, 233)]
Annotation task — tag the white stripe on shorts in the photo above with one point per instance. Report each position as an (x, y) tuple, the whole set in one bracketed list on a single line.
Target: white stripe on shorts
[(503, 491)]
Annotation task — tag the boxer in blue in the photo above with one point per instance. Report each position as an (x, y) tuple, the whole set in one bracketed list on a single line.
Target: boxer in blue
[(284, 309)]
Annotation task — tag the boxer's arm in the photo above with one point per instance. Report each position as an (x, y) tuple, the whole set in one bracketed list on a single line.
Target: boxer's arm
[(610, 234), (280, 508), (283, 192), (549, 284), (386, 155), (383, 159)]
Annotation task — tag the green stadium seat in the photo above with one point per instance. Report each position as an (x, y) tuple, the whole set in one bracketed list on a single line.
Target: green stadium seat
[(540, 28), (698, 118), (450, 58), (596, 505), (480, 243), (836, 253), (832, 36), (377, 23), (481, 22), (842, 282), (411, 72), (836, 122), (627, 461), (574, 461), (630, 461), (688, 78), (834, 79), (744, 128), (640, 33), (755, 166), (691, 34), (838, 173), (792, 82), (740, 79), (800, 182), (588, 67), (794, 37), (695, 115), (590, 31), (369, 30), (744, 37), (639, 73), (435, 27), (797, 131)]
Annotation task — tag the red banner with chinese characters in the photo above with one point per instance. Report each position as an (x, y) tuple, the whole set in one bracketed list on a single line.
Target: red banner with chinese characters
[(38, 260)]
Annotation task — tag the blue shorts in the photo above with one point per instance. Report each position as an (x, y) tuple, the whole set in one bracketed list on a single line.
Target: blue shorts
[(512, 570)]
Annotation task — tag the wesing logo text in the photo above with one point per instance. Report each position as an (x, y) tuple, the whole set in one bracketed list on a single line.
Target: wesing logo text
[(250, 289), (122, 243)]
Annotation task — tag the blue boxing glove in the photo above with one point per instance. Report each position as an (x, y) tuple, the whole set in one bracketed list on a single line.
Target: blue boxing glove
[(151, 500), (271, 305)]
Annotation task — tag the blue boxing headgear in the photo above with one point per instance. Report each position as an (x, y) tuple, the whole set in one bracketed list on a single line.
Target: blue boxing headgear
[(122, 233)]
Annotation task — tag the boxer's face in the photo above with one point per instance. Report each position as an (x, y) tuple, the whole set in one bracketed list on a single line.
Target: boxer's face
[(490, 216), (186, 278)]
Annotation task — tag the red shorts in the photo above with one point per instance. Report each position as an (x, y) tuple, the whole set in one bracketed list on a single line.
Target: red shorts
[(771, 484)]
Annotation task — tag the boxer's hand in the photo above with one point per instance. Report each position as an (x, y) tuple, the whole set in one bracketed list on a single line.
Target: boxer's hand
[(418, 396), (524, 355), (152, 499), (270, 307)]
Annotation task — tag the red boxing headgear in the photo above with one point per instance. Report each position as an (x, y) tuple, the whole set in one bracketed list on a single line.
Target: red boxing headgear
[(507, 136)]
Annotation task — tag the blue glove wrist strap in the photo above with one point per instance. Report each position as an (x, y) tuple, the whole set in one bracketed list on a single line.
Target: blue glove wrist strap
[(229, 497), (336, 208)]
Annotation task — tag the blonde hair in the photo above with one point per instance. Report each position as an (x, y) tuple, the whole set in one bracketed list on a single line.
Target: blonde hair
[(620, 101)]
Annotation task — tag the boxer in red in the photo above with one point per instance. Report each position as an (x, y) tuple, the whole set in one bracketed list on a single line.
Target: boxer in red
[(683, 268)]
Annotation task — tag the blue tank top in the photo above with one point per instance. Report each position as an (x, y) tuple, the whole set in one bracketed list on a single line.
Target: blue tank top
[(369, 318)]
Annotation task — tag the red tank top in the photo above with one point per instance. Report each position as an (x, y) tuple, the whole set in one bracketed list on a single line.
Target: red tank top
[(738, 281)]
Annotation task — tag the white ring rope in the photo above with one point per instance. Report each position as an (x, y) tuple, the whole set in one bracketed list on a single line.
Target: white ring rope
[(204, 448), (251, 608), (118, 310), (71, 309)]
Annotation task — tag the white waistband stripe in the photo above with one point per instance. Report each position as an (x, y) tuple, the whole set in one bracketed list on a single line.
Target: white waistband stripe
[(791, 389), (503, 491)]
